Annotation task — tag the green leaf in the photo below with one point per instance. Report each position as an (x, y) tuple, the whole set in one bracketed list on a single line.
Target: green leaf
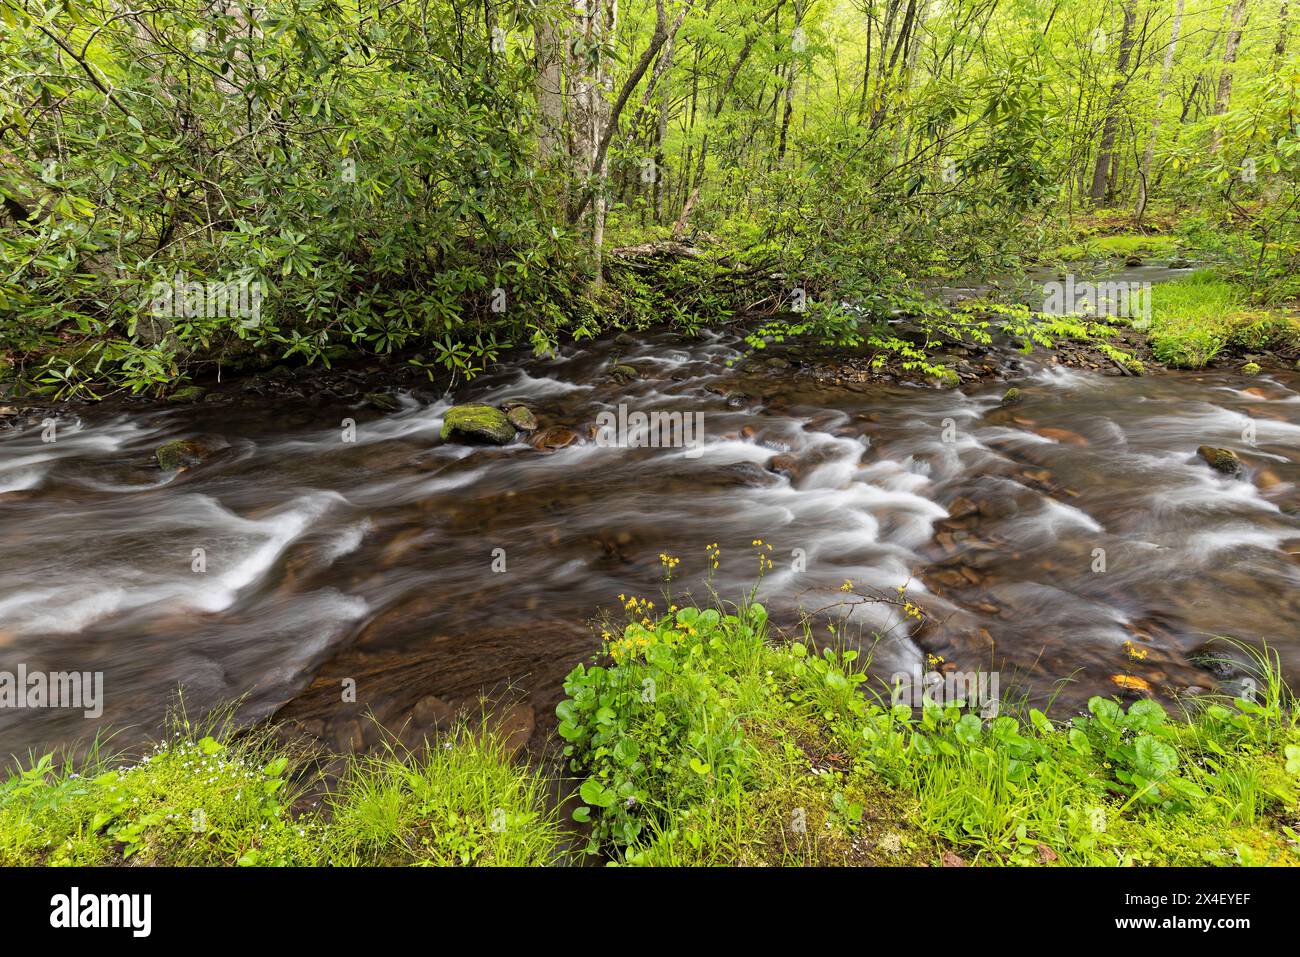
[(593, 792), (1154, 758)]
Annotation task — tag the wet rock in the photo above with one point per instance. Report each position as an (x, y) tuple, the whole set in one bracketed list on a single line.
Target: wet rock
[(1267, 479), (1064, 436), (777, 364), (191, 393), (522, 419), (553, 437), (734, 397), (1133, 260), (1011, 396), (739, 474), (514, 726), (480, 423), (1250, 368), (961, 508), (783, 464), (1222, 460), (182, 454), (383, 401), (622, 372), (431, 711)]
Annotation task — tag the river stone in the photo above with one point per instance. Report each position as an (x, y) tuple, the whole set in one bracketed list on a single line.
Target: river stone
[(477, 422), (431, 711), (522, 419), (1221, 460), (1011, 396), (553, 437), (191, 393), (180, 454), (624, 373), (383, 401)]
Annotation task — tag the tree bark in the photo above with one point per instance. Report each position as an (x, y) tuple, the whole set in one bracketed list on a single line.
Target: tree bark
[(1110, 125), (1165, 72)]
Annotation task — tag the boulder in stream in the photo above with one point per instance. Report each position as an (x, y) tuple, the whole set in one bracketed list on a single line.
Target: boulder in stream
[(1222, 460), (383, 401), (553, 437), (181, 454), (622, 372), (522, 418), (191, 393), (480, 423)]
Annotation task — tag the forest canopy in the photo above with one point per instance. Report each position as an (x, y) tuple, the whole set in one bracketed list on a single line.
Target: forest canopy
[(189, 184)]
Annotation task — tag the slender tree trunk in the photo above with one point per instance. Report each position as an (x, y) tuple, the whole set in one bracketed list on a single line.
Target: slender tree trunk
[(1165, 72), (1224, 94), (1101, 172)]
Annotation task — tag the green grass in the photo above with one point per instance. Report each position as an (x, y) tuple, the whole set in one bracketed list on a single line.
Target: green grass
[(697, 738), (1201, 316), (216, 796), (1118, 246)]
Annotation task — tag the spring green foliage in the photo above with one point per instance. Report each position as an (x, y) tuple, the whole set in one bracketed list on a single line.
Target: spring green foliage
[(215, 796), (1195, 319), (704, 741), (698, 739), (378, 179)]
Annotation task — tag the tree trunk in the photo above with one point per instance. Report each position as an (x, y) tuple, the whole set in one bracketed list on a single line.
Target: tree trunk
[(1224, 94), (1166, 71), (1105, 150)]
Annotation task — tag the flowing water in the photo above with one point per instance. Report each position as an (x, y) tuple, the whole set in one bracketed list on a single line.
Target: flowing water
[(1038, 537)]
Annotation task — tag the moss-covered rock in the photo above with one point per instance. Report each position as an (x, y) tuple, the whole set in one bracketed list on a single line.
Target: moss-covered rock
[(624, 373), (522, 419), (383, 401), (190, 393), (1011, 396), (480, 423), (180, 454), (1250, 368), (1221, 460)]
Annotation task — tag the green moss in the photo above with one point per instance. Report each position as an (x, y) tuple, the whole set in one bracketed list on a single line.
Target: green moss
[(190, 393), (1250, 368), (477, 422), (179, 453), (1196, 318), (1117, 246)]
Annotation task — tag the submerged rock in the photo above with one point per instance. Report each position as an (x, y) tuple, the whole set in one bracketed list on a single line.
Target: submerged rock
[(522, 419), (191, 393), (477, 422), (383, 401), (553, 437), (181, 454), (1222, 460), (624, 373)]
